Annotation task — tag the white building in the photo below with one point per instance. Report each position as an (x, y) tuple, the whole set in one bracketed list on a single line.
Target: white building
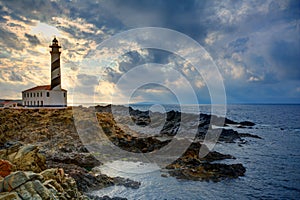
[(48, 95), (10, 104)]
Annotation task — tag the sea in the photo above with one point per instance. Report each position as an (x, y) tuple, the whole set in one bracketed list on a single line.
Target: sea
[(272, 163)]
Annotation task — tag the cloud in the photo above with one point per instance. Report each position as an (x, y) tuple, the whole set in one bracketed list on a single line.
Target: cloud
[(255, 44), (88, 80), (32, 39)]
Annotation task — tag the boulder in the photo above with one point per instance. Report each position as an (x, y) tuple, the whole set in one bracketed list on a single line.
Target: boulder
[(24, 157), (85, 160), (247, 123), (49, 184), (190, 166), (225, 135), (5, 168), (9, 196), (14, 180)]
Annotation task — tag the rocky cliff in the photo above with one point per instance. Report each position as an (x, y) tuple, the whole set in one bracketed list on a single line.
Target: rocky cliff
[(42, 156)]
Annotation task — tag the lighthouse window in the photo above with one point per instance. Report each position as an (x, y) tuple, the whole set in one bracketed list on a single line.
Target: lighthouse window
[(48, 94)]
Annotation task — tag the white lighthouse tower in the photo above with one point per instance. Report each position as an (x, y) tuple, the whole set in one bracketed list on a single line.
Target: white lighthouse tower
[(48, 95)]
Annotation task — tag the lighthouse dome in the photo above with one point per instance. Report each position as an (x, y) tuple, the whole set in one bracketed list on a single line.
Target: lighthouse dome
[(54, 40)]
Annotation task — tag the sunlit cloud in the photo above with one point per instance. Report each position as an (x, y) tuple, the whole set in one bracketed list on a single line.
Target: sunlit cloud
[(255, 45), (45, 31)]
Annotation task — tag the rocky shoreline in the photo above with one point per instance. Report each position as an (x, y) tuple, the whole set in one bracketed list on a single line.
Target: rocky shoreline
[(35, 140), (42, 154), (189, 165)]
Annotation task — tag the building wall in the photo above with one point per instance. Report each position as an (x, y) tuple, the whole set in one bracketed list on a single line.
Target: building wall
[(10, 105), (45, 98)]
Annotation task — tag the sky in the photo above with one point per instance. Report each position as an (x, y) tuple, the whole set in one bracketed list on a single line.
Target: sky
[(254, 44)]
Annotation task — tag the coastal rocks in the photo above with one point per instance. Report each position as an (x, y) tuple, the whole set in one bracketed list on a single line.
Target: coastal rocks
[(190, 166), (54, 132), (87, 181), (57, 145), (220, 121), (5, 168), (126, 182), (172, 123), (225, 135), (24, 157), (49, 184), (127, 141), (249, 135), (105, 198), (140, 118), (9, 196), (85, 160), (246, 123)]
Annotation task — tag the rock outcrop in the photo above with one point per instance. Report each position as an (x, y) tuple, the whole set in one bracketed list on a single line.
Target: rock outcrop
[(56, 145), (61, 166), (49, 184), (190, 166), (5, 168), (24, 157), (132, 142)]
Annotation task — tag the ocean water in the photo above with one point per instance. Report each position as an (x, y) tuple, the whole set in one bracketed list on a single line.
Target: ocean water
[(272, 163)]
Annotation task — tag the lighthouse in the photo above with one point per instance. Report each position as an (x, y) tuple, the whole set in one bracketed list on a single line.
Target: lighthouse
[(55, 65), (48, 95)]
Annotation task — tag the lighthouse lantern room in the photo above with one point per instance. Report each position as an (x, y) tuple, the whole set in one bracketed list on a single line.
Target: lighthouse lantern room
[(48, 95)]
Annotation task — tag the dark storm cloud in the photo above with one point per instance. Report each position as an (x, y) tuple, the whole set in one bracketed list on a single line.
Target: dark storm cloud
[(32, 39), (184, 16), (10, 40), (32, 9), (286, 56)]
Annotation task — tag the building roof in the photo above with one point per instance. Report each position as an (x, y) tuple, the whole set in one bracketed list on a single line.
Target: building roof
[(8, 102), (40, 87)]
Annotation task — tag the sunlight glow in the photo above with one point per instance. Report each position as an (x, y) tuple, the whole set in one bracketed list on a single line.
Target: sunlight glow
[(45, 30)]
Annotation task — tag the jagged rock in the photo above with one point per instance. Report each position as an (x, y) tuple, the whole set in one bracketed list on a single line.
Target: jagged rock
[(190, 166), (105, 198), (126, 182), (249, 135), (49, 184), (125, 140), (225, 135), (5, 168), (9, 196), (53, 130), (85, 160), (247, 123), (86, 181), (24, 157), (14, 180), (172, 123)]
